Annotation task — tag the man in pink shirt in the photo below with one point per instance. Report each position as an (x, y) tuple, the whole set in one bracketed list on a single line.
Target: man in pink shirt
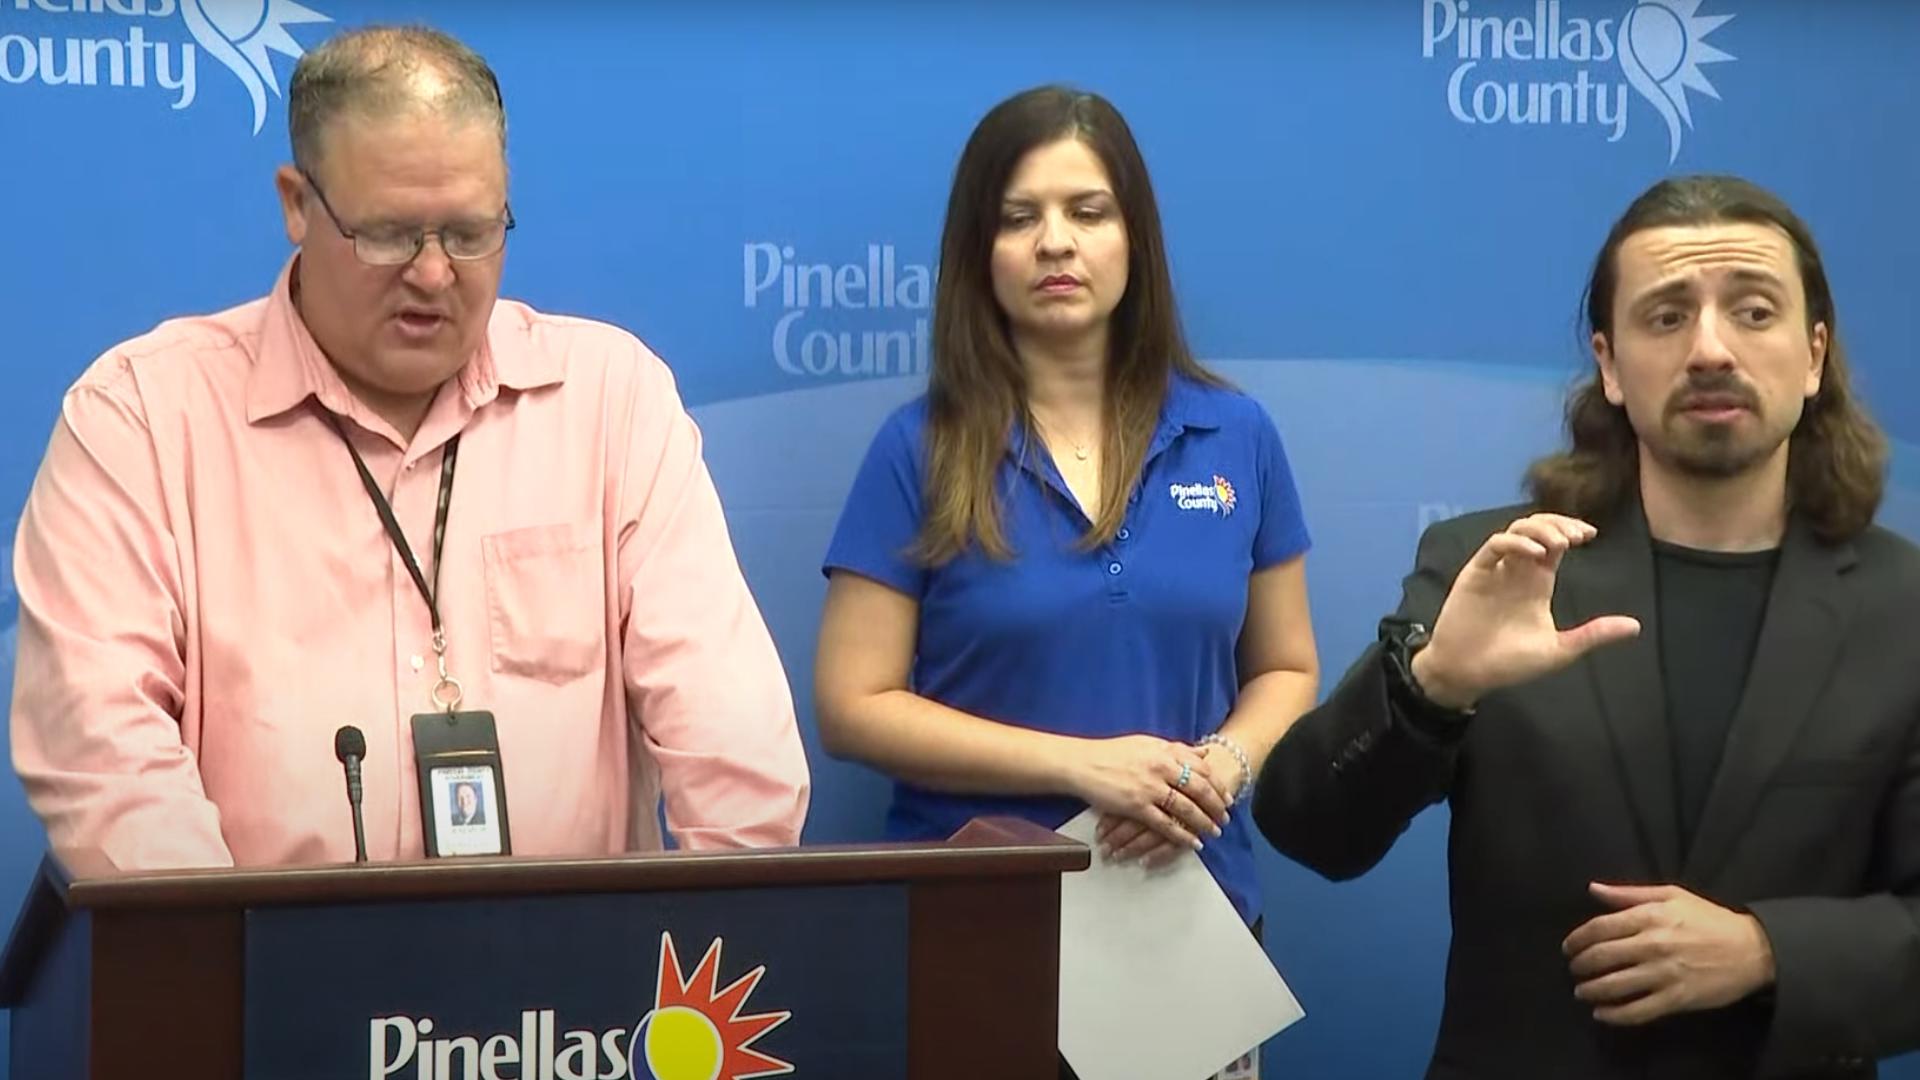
[(207, 591)]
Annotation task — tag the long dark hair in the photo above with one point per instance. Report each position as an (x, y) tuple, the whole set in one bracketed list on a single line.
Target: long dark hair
[(977, 388), (1837, 455)]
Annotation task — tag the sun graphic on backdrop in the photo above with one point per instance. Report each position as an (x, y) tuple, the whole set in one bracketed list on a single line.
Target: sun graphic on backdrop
[(268, 33), (1663, 44), (696, 1032), (242, 35)]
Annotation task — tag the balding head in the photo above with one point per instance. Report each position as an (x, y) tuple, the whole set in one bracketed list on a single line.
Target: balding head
[(382, 72)]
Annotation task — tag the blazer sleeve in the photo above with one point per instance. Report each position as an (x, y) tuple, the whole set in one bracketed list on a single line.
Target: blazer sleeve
[(1350, 775)]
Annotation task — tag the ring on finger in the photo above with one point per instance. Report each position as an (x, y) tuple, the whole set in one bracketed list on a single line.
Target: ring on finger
[(1186, 774)]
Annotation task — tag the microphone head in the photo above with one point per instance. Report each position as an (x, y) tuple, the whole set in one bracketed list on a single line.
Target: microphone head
[(349, 742)]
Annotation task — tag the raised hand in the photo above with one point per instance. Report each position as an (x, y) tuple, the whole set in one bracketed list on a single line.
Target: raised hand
[(1496, 627)]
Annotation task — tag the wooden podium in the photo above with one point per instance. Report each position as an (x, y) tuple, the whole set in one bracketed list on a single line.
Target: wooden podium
[(924, 961)]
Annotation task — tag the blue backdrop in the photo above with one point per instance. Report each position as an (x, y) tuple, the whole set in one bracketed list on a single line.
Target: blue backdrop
[(1380, 212)]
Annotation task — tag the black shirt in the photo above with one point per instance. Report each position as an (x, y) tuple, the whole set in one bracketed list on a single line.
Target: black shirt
[(1710, 605)]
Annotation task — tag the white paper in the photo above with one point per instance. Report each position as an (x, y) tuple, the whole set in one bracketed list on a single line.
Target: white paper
[(1159, 978)]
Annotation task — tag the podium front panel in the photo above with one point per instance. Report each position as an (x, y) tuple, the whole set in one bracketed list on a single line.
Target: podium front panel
[(696, 985)]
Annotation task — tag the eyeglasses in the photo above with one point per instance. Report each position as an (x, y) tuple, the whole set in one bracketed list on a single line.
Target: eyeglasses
[(397, 245)]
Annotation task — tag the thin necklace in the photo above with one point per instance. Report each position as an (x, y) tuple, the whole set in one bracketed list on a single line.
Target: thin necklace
[(1080, 449)]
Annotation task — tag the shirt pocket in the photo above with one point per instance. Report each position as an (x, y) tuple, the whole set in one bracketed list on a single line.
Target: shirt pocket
[(546, 605)]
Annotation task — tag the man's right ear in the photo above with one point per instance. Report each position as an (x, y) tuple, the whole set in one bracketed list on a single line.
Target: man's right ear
[(1603, 359), (292, 188)]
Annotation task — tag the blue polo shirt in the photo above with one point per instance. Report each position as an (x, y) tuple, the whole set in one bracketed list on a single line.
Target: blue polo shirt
[(1137, 636)]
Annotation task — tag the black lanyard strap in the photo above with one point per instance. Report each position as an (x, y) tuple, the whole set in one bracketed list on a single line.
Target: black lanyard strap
[(449, 457), (446, 693)]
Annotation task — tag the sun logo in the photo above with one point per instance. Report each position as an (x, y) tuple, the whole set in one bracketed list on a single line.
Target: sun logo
[(697, 1033), (239, 33), (1662, 45), (1224, 492)]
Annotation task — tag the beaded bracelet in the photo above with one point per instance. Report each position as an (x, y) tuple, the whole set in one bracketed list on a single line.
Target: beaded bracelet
[(1239, 755)]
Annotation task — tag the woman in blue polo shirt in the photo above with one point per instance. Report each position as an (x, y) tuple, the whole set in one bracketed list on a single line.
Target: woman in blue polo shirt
[(1072, 574)]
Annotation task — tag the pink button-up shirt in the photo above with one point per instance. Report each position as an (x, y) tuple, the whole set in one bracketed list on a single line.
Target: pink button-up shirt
[(207, 594)]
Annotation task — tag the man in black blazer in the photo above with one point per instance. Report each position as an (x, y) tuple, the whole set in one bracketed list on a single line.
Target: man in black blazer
[(1685, 836)]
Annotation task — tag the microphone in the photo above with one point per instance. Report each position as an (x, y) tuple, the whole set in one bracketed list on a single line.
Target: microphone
[(349, 745)]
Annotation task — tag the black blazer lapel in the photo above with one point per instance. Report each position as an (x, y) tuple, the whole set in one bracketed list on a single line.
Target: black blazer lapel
[(1613, 575), (1799, 643)]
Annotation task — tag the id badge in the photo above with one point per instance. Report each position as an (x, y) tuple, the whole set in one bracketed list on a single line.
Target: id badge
[(1246, 1068), (463, 792)]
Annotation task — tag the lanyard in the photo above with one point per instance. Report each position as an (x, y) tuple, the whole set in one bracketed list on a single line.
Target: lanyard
[(446, 693)]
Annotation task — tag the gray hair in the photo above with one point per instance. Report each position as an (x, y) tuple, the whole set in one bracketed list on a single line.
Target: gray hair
[(382, 71)]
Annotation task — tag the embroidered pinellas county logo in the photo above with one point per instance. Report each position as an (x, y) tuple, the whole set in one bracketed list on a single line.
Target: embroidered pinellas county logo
[(1224, 492), (1545, 66), (1215, 496), (695, 1031), (136, 44)]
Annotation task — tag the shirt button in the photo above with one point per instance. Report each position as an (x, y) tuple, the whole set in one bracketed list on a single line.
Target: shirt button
[(417, 663), (1124, 534), (1113, 568)]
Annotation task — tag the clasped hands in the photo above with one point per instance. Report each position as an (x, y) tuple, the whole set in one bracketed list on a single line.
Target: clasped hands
[(1156, 797)]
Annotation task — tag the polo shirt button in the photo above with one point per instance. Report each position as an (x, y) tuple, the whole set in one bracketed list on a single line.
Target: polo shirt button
[(1125, 535), (1113, 568)]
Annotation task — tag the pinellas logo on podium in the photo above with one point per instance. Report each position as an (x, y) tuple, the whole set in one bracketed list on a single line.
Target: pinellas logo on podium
[(695, 1031), (240, 34), (1661, 47)]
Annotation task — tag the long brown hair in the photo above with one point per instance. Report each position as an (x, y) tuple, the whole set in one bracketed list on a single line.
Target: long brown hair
[(977, 388), (1837, 455)]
